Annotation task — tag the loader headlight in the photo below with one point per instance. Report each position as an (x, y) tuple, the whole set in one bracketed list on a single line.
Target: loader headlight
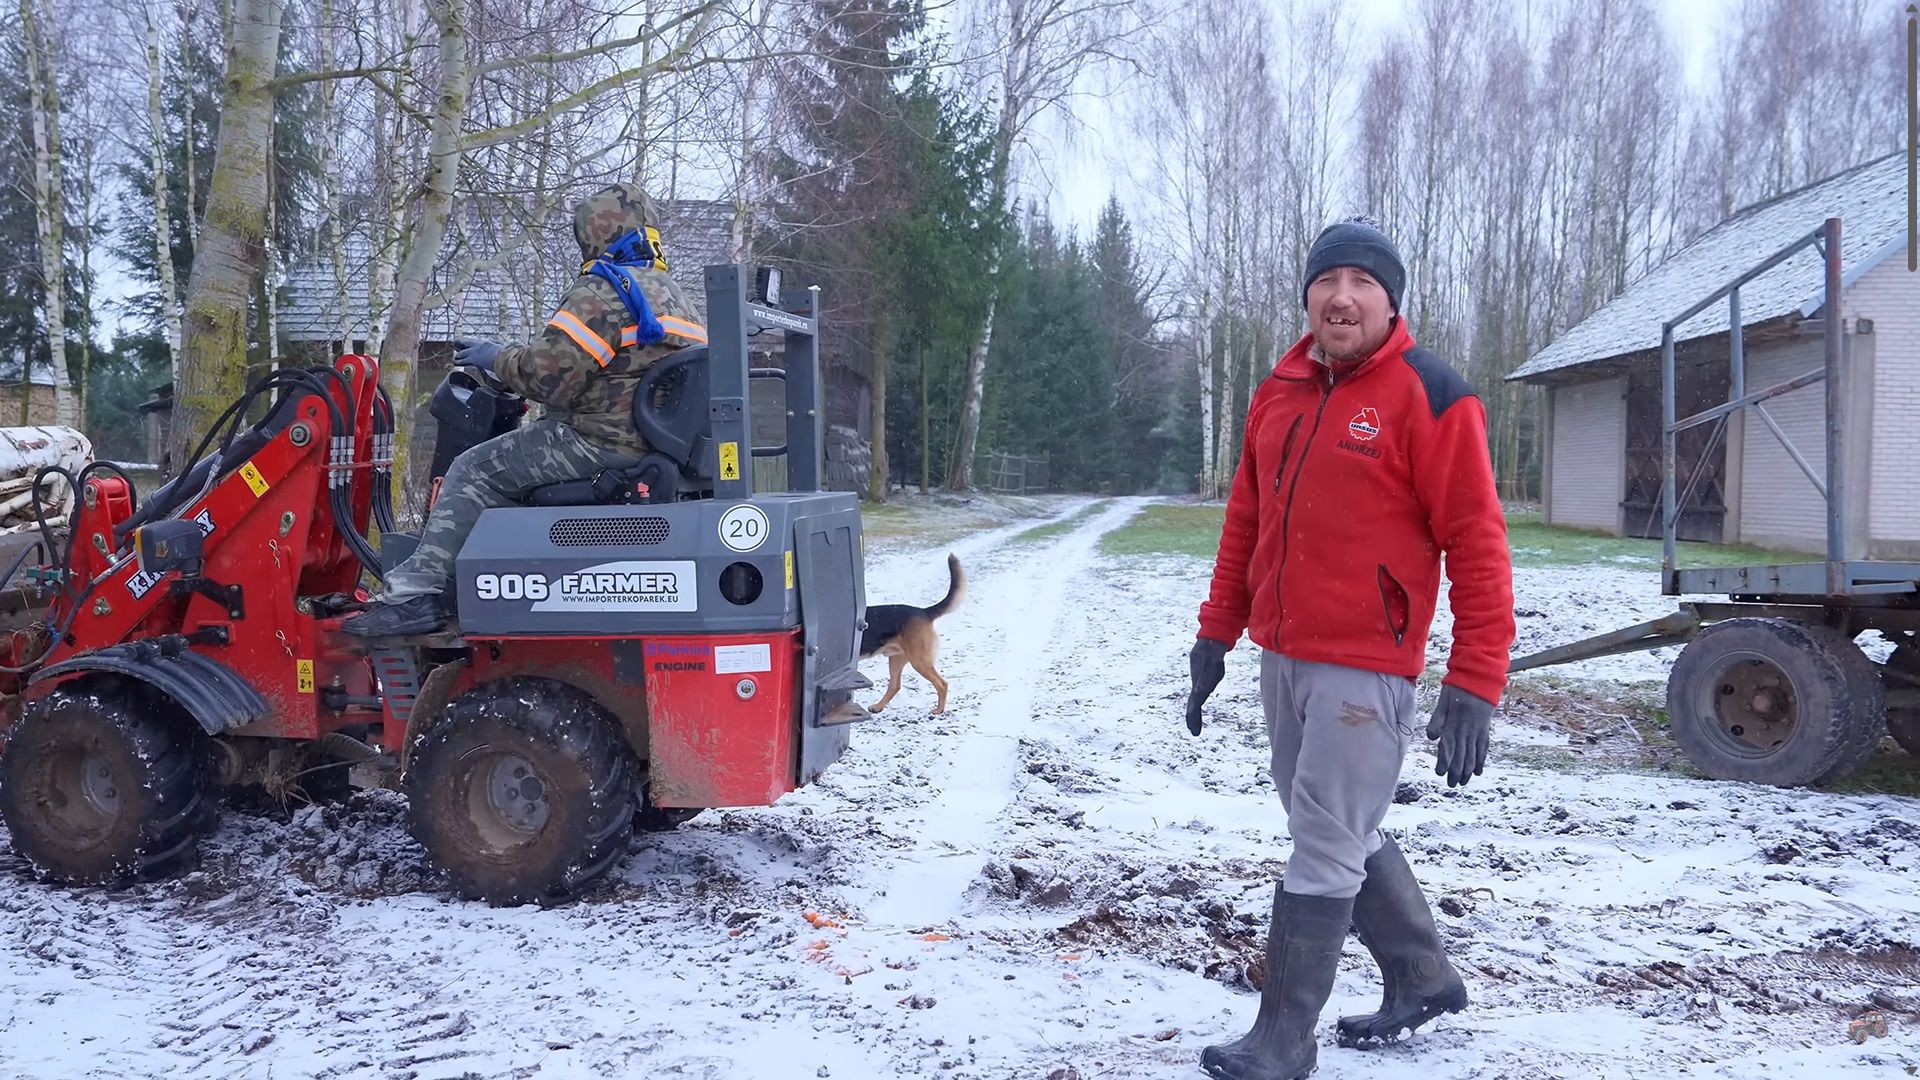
[(766, 286)]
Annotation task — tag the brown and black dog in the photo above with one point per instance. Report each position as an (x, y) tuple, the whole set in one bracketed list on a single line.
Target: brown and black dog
[(904, 634)]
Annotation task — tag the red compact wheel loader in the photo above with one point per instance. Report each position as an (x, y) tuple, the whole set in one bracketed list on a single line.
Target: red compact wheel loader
[(630, 647)]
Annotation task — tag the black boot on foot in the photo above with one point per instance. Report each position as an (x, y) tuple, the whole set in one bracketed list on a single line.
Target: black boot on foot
[(414, 615), (1396, 926), (1303, 953)]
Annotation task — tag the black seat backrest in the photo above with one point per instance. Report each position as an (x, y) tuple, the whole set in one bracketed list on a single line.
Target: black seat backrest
[(670, 410)]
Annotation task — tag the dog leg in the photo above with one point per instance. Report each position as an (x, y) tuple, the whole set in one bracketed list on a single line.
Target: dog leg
[(896, 663), (924, 665)]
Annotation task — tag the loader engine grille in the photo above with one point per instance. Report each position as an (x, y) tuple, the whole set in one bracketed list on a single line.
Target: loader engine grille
[(832, 558), (607, 532)]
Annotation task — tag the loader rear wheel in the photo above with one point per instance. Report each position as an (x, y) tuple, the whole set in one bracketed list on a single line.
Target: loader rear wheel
[(102, 784), (1773, 701), (522, 791)]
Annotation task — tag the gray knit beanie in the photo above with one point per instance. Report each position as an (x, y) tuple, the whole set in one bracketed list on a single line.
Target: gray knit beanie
[(1359, 242)]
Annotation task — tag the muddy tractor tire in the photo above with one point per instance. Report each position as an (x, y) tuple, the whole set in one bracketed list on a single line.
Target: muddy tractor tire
[(522, 791), (102, 783), (650, 818), (1773, 701), (1901, 677)]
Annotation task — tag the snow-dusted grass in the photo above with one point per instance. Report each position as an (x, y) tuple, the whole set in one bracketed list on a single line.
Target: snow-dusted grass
[(1191, 529), (1054, 880), (1536, 543)]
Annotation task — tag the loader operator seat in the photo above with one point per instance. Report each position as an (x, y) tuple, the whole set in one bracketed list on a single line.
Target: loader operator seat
[(670, 411)]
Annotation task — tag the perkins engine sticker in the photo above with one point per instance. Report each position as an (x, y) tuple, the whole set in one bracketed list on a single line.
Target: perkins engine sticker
[(740, 659), (674, 656), (744, 527), (614, 586)]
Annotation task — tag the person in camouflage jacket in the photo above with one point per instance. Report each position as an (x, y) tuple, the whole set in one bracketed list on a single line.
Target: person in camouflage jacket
[(584, 368)]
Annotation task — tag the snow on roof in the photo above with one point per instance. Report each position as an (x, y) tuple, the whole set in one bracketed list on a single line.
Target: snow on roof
[(506, 303), (1871, 202)]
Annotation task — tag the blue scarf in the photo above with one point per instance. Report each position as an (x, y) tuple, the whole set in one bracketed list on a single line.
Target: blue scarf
[(619, 267)]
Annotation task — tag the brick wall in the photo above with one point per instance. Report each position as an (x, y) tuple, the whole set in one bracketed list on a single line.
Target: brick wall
[(1588, 454)]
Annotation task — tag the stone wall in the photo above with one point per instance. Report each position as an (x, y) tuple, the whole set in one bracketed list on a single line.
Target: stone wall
[(849, 459)]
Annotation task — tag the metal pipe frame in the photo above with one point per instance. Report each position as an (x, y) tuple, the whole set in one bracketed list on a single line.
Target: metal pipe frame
[(1825, 240)]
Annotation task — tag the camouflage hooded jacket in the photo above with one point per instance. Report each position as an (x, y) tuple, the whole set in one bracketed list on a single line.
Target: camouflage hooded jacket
[(586, 365)]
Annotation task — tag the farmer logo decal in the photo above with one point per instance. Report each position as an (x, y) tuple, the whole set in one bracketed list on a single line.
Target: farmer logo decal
[(613, 586), (1365, 425)]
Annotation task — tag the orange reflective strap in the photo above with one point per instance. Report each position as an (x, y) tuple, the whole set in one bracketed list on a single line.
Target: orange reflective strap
[(569, 324), (685, 328)]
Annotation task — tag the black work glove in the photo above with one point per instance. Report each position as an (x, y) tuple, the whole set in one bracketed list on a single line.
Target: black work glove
[(479, 354), (1462, 723), (1208, 665)]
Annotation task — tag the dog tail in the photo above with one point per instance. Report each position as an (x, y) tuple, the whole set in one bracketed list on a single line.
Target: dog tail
[(956, 589)]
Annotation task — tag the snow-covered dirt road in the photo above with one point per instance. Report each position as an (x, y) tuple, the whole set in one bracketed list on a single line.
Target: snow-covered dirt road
[(1052, 881)]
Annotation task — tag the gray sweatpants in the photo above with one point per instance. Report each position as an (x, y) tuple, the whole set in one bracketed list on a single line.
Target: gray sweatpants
[(498, 472), (1339, 735)]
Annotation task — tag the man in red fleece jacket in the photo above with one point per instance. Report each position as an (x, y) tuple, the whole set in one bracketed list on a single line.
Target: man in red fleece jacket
[(1365, 462)]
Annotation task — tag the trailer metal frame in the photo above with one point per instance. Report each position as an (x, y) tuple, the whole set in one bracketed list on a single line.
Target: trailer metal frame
[(1845, 594)]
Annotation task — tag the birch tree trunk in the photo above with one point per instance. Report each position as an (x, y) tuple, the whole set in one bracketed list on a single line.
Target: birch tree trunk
[(399, 358), (44, 103), (967, 442), (269, 274), (162, 217), (330, 180), (877, 387), (193, 172), (228, 258)]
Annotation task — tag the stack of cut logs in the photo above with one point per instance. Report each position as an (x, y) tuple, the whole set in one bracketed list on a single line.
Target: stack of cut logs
[(24, 451)]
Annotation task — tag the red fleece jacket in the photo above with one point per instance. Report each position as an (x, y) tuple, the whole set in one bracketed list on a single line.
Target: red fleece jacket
[(1349, 490)]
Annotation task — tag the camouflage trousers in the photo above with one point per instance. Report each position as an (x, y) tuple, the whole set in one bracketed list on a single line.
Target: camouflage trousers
[(498, 472)]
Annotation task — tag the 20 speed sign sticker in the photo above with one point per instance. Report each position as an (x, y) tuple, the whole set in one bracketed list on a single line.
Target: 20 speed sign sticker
[(744, 527)]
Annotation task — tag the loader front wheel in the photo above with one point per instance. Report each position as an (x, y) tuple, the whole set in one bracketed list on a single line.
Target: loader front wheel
[(1773, 701), (521, 791), (101, 784)]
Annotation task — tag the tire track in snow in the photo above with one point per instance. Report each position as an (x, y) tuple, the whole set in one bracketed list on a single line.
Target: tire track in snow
[(1005, 660)]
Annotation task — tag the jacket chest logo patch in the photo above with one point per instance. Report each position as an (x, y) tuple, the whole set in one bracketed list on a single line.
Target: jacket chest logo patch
[(1365, 425), (1362, 430)]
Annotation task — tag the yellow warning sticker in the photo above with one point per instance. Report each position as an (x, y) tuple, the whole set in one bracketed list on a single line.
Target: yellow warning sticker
[(254, 480), (789, 569), (729, 461), (304, 668)]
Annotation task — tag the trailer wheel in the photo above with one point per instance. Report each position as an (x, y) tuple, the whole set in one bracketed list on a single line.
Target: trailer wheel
[(1902, 676), (103, 784), (521, 791), (1773, 701)]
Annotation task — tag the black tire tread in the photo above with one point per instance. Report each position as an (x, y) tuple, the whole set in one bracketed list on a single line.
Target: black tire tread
[(1814, 753), (170, 748), (1903, 723), (563, 718), (1868, 694)]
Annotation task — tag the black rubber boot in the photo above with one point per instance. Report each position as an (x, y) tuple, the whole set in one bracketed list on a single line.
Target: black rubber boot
[(414, 615), (1303, 953), (1397, 927)]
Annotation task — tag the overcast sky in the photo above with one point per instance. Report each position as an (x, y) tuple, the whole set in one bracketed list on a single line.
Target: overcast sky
[(1075, 179)]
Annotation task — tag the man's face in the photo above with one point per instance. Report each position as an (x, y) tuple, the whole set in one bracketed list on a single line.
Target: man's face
[(1347, 313)]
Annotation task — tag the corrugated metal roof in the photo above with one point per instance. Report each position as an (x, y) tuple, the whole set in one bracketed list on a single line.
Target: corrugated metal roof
[(507, 303), (1871, 202)]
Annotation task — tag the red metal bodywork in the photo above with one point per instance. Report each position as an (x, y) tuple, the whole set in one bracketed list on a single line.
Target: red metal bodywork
[(704, 743), (715, 716), (271, 534)]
